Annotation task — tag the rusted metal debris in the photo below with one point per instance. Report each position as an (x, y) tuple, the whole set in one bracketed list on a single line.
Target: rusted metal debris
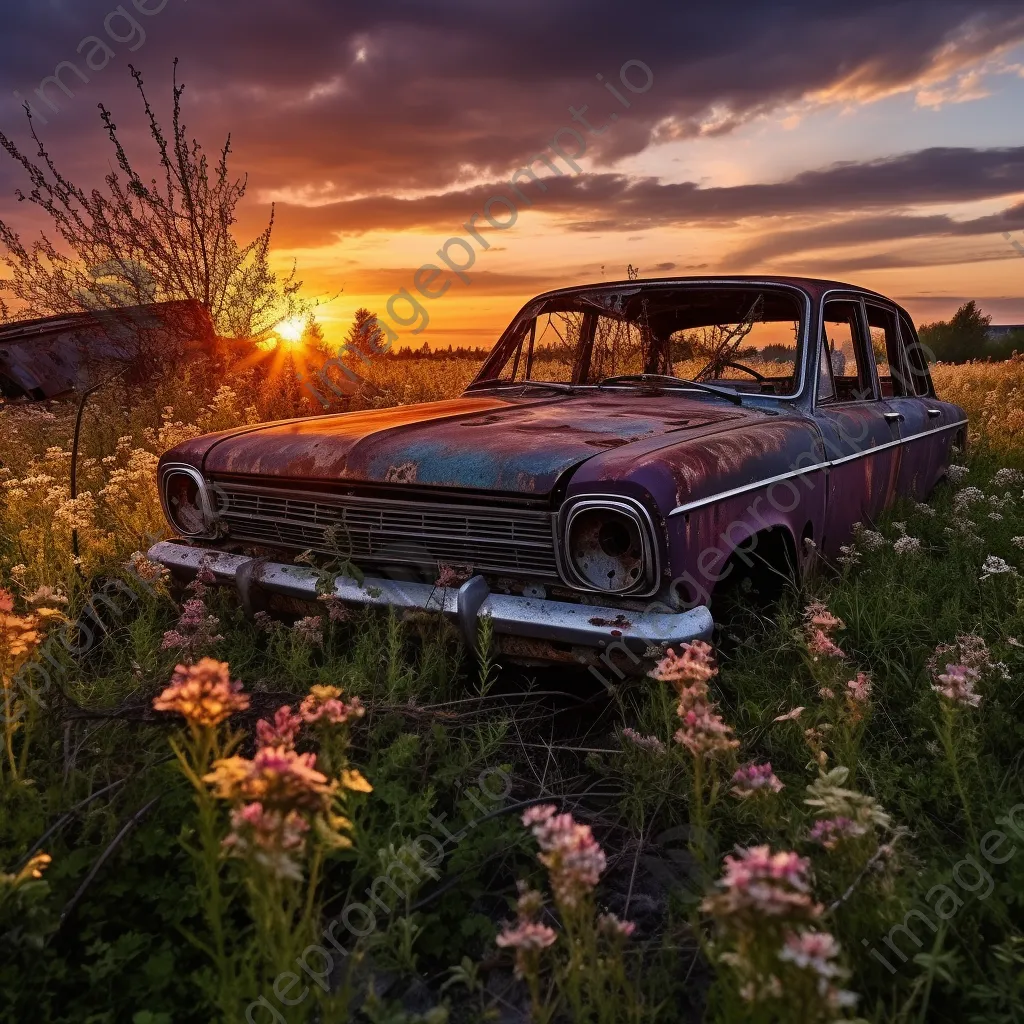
[(53, 356)]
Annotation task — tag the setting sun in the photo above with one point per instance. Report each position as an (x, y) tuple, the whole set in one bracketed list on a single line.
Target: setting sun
[(291, 330)]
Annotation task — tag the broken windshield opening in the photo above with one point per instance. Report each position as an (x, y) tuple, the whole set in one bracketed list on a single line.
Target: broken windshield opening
[(740, 337)]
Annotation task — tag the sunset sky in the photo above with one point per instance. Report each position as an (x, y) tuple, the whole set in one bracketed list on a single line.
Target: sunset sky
[(880, 143)]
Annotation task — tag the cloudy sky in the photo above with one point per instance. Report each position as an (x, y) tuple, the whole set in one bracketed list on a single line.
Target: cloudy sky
[(880, 143)]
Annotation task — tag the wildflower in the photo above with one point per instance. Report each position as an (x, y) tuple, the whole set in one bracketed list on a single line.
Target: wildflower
[(848, 555), (907, 546), (754, 778), (759, 883), (820, 624), (527, 938), (614, 928), (34, 869), (264, 622), (995, 516), (282, 732), (826, 693), (276, 777), (859, 689), (310, 630), (569, 851), (829, 832), (452, 575), (351, 779), (650, 743), (693, 668), (270, 837), (704, 732), (956, 684), (1008, 478), (1017, 542), (337, 610), (817, 952), (821, 645), (900, 528), (968, 649), (195, 630), (872, 540), (203, 693), (46, 595), (955, 474), (969, 496), (924, 509), (817, 616), (995, 566), (790, 716), (323, 703)]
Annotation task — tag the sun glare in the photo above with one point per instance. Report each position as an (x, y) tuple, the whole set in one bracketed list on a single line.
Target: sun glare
[(291, 330)]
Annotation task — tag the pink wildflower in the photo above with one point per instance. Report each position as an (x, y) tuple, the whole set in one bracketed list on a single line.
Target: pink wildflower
[(324, 703), (759, 884), (818, 952), (817, 616), (270, 837), (574, 859), (195, 630), (614, 928), (821, 645), (704, 732), (690, 670), (282, 732), (755, 778), (956, 685), (859, 689), (829, 832), (452, 575)]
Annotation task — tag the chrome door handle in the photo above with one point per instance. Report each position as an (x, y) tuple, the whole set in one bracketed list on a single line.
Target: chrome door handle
[(932, 413), (893, 417)]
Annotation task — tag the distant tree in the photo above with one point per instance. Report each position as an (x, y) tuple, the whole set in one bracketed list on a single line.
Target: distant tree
[(313, 334), (961, 338), (365, 338), (143, 240)]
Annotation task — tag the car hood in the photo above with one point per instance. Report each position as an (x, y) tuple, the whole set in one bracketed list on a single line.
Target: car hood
[(488, 443)]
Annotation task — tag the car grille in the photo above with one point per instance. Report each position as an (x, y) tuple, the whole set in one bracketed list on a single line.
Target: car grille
[(382, 531)]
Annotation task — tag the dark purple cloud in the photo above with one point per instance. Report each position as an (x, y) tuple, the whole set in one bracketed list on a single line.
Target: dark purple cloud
[(376, 98)]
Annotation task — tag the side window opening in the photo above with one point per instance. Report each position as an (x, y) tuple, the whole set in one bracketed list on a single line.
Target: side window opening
[(894, 378), (920, 382), (844, 349)]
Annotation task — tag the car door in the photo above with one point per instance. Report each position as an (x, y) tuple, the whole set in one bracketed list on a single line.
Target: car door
[(941, 423), (915, 456), (859, 428)]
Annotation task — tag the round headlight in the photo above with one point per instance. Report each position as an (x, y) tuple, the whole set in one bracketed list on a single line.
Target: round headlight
[(184, 501), (607, 548)]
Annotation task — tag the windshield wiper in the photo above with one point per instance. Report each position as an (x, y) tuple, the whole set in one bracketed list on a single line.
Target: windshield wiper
[(554, 385), (664, 379)]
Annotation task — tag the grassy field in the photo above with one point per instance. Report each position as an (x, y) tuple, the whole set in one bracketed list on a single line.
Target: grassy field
[(875, 836)]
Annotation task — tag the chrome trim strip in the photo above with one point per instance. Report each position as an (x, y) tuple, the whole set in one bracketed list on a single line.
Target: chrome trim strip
[(744, 488), (767, 482)]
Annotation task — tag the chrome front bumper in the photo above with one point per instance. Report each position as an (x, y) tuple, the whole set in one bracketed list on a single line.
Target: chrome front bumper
[(598, 628)]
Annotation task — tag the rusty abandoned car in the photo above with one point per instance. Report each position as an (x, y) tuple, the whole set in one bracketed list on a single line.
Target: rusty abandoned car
[(625, 451)]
